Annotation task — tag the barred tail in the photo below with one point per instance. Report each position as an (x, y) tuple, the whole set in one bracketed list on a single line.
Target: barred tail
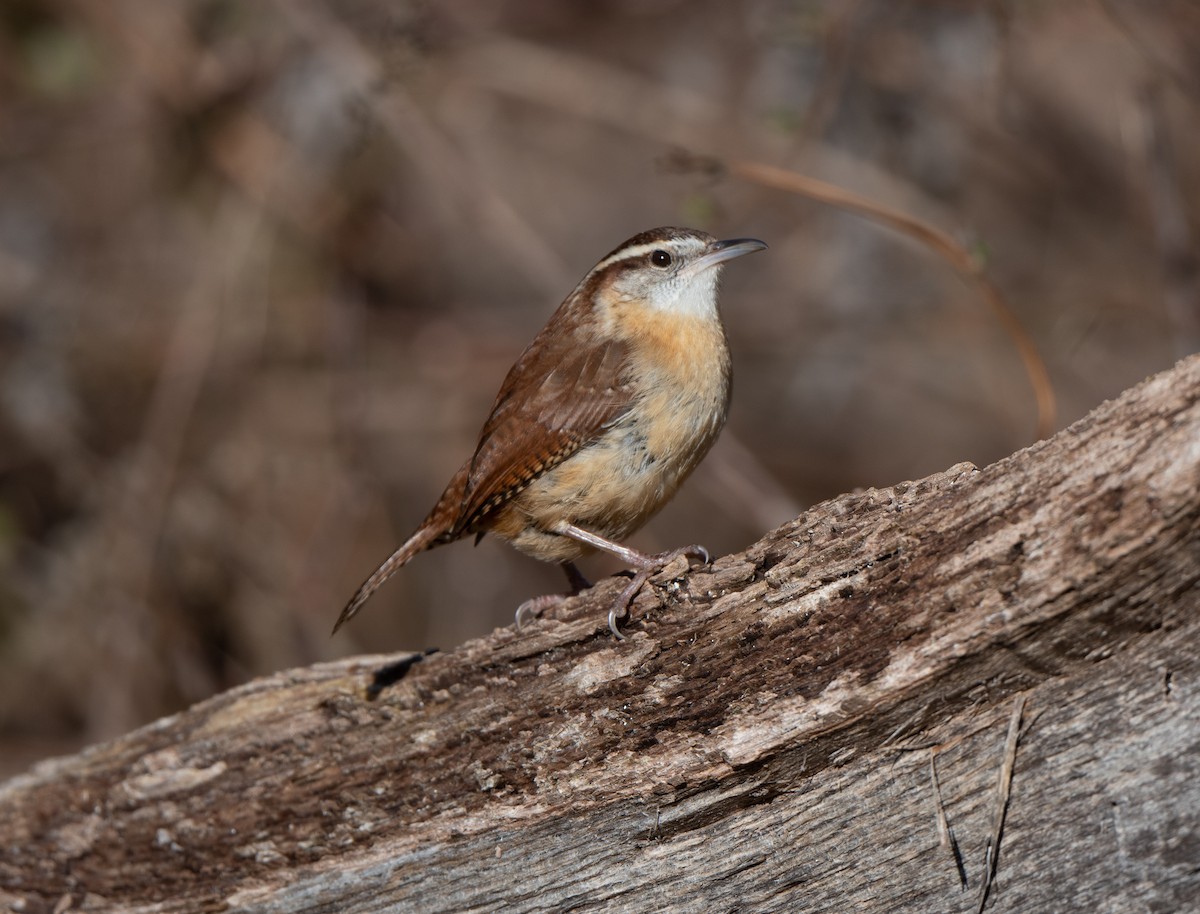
[(426, 537)]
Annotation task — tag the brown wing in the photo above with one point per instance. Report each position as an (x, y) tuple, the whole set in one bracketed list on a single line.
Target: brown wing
[(563, 391)]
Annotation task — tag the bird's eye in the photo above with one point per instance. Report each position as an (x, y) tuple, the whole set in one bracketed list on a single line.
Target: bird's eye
[(660, 259)]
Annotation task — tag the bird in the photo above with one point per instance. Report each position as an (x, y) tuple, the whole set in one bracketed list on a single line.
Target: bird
[(599, 421)]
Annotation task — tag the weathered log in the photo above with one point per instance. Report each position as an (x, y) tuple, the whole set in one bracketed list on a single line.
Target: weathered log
[(763, 741)]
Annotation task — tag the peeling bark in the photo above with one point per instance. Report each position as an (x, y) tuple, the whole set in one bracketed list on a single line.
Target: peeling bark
[(762, 742)]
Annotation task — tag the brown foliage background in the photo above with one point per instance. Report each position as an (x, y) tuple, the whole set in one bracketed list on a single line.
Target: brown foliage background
[(264, 264)]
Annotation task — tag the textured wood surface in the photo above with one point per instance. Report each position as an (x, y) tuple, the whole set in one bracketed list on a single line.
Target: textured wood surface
[(762, 742)]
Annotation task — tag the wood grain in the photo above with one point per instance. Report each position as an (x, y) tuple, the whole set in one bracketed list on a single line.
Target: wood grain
[(762, 742)]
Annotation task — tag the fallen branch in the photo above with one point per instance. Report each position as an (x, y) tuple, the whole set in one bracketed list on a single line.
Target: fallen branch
[(758, 743)]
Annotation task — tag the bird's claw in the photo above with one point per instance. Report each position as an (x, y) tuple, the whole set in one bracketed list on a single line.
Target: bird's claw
[(654, 565), (533, 608)]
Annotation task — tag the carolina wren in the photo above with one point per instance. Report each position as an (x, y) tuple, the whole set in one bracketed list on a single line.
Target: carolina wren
[(605, 413)]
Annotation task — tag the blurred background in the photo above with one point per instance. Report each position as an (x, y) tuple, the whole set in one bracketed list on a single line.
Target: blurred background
[(263, 266)]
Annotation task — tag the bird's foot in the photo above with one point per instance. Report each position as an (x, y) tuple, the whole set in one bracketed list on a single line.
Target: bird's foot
[(648, 566), (534, 607), (531, 609)]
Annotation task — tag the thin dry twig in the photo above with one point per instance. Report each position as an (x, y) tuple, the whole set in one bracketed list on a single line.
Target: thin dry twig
[(945, 833), (563, 81), (970, 267), (1003, 791)]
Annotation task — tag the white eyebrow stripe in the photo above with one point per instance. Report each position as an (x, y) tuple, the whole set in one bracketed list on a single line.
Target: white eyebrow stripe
[(638, 250)]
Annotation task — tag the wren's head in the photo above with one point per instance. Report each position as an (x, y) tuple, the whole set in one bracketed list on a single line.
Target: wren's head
[(669, 269)]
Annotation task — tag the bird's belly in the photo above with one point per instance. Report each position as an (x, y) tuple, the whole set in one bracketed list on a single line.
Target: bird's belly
[(614, 485)]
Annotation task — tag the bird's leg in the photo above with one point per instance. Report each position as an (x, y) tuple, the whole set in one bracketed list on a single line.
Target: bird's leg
[(647, 565), (534, 607)]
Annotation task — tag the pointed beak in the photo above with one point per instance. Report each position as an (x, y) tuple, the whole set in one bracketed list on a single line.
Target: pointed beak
[(720, 251)]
